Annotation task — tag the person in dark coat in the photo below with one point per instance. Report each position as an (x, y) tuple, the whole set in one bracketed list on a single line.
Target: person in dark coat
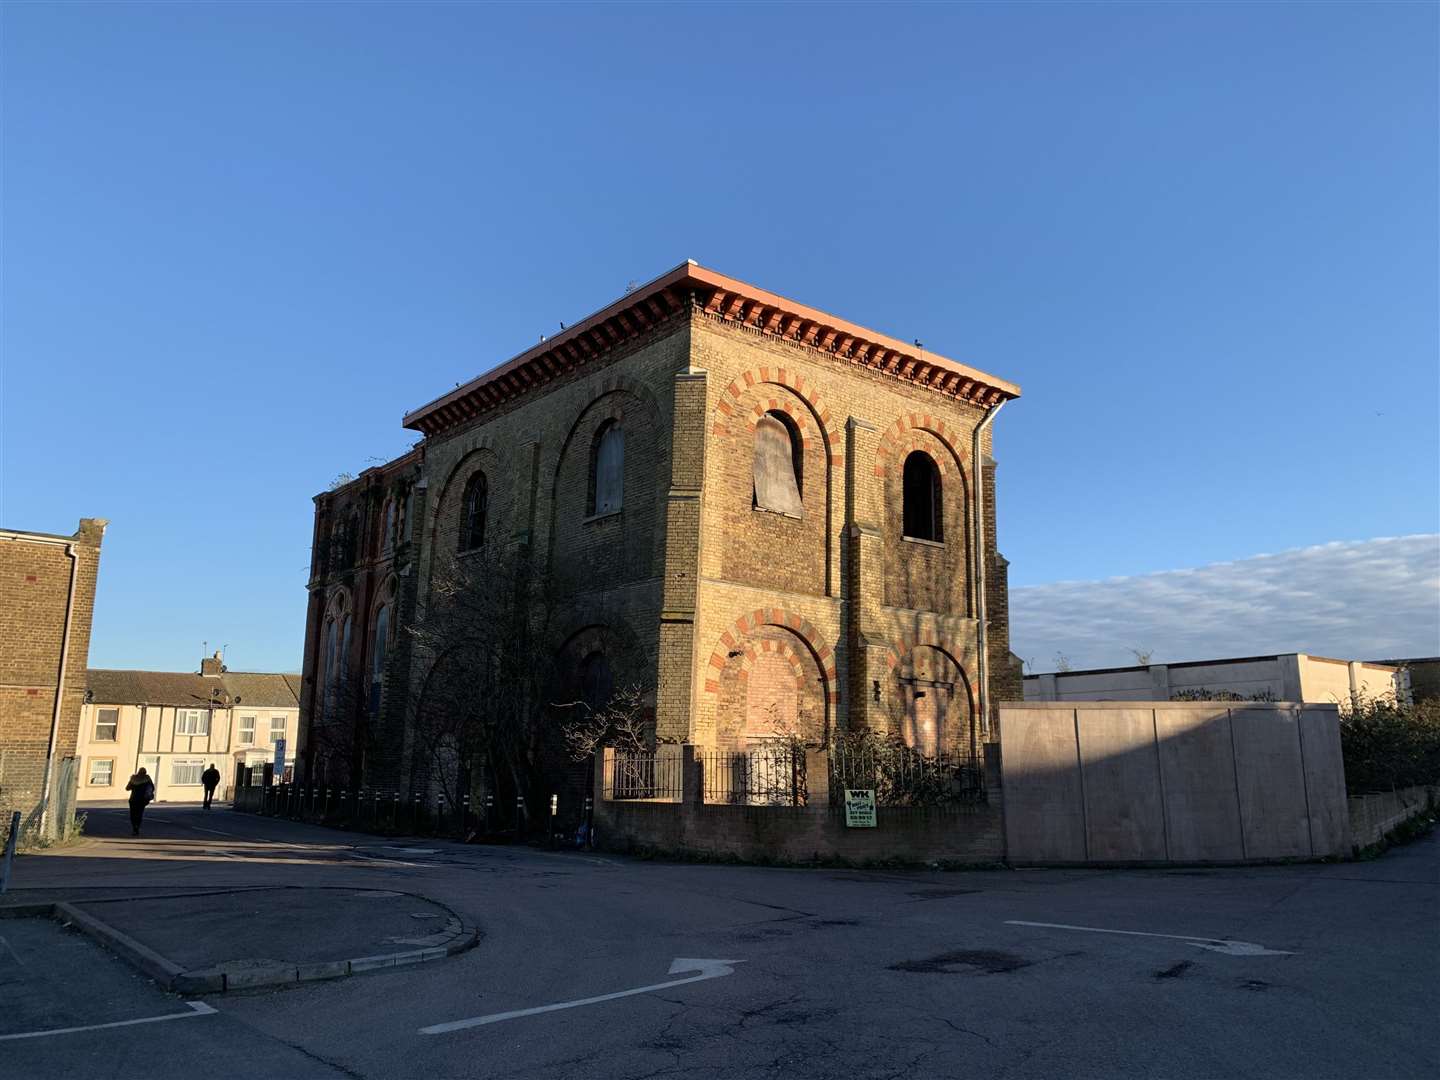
[(142, 793), (211, 779)]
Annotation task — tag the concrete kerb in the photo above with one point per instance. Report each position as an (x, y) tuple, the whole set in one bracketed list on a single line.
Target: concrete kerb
[(238, 975)]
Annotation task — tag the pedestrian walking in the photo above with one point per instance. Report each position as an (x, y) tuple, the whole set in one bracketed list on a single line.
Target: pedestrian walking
[(211, 779), (142, 794)]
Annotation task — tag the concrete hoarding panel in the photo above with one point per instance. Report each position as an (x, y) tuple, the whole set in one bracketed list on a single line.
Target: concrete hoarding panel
[(1202, 810), (1124, 804), (1269, 776), (1044, 806), (1325, 780)]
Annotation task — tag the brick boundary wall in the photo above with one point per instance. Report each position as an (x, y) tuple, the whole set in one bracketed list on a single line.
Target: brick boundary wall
[(815, 833), (1375, 816)]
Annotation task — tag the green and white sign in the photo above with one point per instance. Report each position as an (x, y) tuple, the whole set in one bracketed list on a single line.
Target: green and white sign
[(860, 808)]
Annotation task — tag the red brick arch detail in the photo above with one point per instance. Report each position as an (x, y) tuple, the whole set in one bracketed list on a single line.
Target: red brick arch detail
[(753, 651), (898, 441), (728, 416), (900, 648), (735, 638)]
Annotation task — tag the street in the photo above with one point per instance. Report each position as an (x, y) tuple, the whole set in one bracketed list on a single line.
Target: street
[(601, 967)]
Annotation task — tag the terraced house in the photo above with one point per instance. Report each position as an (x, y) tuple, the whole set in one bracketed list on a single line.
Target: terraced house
[(770, 519)]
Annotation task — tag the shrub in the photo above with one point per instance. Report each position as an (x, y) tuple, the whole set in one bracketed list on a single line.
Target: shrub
[(1389, 745)]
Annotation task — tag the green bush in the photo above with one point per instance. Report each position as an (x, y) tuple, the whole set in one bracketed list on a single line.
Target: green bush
[(1389, 745)]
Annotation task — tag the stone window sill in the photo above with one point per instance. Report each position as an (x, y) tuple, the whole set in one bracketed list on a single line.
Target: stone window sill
[(777, 513), (602, 516), (926, 543)]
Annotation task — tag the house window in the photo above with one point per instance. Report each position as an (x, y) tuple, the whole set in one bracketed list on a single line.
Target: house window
[(106, 722), (922, 519), (779, 456), (247, 729), (186, 771), (192, 721), (102, 772), (277, 729), (473, 508), (607, 472)]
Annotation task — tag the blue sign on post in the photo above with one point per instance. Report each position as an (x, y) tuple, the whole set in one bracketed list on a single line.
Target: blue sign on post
[(279, 759)]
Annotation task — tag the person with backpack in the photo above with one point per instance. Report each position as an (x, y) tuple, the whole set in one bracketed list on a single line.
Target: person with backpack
[(210, 778), (142, 794)]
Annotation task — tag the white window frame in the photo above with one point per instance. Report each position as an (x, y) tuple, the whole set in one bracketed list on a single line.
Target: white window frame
[(276, 734), (198, 719), (114, 727), (90, 780), (198, 764), (240, 736)]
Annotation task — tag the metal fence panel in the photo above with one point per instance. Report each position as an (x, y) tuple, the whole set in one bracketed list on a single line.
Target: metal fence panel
[(901, 776), (771, 773)]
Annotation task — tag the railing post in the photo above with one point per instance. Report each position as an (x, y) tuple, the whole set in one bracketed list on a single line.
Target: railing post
[(605, 773), (692, 775)]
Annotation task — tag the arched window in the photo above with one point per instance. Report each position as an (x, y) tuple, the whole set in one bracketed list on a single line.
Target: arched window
[(779, 460), (343, 666), (472, 512), (387, 525), (378, 652), (597, 684), (607, 471), (329, 667), (923, 516), (352, 539)]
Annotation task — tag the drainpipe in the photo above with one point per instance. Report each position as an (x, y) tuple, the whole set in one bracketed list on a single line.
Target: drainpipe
[(978, 491), (74, 558)]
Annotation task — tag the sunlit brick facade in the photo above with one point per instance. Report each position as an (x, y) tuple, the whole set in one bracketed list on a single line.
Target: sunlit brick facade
[(690, 568)]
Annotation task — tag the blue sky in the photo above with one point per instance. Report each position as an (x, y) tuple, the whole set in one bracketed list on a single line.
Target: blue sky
[(241, 240)]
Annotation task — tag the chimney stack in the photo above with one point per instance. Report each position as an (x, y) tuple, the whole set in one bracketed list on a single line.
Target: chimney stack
[(211, 665)]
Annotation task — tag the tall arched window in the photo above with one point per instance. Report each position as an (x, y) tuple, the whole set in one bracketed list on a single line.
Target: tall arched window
[(343, 666), (597, 684), (378, 652), (779, 461), (923, 515), (473, 508), (329, 668), (607, 471), (387, 525)]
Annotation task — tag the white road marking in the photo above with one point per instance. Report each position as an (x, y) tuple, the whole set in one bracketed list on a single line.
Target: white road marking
[(708, 969), (1228, 948), (199, 1009)]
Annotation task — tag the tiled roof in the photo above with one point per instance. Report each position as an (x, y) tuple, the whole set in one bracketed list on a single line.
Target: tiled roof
[(259, 689)]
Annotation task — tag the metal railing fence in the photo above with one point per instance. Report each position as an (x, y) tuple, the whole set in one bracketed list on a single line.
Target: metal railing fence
[(771, 773), (901, 776)]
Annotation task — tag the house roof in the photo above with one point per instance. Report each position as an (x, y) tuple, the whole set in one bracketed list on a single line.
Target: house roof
[(725, 299), (262, 690)]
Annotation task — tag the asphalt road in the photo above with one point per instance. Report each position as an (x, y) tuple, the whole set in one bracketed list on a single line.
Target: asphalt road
[(1292, 971)]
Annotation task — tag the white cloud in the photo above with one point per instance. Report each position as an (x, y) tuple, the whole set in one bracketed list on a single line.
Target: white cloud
[(1355, 600)]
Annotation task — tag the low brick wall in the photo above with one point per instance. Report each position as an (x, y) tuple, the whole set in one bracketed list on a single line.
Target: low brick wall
[(1372, 817), (803, 833), (812, 833)]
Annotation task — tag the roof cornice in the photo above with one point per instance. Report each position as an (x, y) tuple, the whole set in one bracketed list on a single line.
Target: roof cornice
[(724, 299)]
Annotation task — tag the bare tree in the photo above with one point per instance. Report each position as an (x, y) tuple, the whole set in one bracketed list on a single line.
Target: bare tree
[(1142, 656), (484, 645), (1062, 662), (625, 722)]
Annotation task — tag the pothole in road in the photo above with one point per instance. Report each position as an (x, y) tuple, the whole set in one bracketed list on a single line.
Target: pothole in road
[(965, 962), (1175, 970)]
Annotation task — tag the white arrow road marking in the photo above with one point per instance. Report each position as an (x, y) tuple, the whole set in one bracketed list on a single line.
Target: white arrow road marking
[(1229, 948), (707, 969), (199, 1008)]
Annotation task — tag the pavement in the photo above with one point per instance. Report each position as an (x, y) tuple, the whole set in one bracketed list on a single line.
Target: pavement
[(600, 967)]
